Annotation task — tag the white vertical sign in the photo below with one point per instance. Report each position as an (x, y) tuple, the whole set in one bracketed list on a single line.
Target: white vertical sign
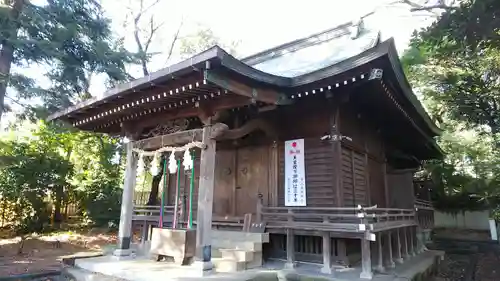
[(295, 176)]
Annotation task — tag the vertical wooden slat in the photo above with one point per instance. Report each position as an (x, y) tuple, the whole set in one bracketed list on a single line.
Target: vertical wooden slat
[(368, 186), (273, 174), (353, 173), (386, 186), (337, 156)]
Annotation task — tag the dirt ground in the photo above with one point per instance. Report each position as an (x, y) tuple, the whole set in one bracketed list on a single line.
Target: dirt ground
[(44, 252)]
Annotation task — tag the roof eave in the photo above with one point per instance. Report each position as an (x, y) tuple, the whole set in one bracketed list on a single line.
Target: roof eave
[(406, 88), (190, 64)]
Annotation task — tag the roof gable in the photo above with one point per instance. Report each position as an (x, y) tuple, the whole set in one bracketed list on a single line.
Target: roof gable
[(315, 52)]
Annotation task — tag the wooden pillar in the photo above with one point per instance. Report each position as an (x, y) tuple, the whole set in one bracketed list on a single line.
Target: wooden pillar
[(380, 256), (399, 258), (366, 260), (127, 207), (342, 251), (290, 243), (390, 261), (290, 249), (412, 241), (205, 201), (144, 233), (406, 255), (327, 254)]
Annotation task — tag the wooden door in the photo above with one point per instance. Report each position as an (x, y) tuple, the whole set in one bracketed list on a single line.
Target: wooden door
[(224, 183), (251, 178)]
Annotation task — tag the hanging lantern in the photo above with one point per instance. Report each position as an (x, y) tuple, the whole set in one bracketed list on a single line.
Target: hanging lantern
[(140, 164), (155, 164), (172, 163), (187, 161)]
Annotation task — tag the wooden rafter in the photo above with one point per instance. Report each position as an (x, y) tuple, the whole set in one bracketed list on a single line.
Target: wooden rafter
[(257, 94)]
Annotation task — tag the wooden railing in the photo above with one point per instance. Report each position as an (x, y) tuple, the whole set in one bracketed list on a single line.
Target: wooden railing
[(338, 219), (152, 213), (425, 214), (423, 205), (143, 213)]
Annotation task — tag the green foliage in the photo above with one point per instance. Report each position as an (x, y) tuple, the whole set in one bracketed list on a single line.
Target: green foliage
[(49, 165), (71, 38), (455, 65)]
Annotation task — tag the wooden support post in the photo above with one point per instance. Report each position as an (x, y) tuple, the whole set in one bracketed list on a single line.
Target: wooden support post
[(258, 216), (327, 254), (399, 258), (406, 254), (390, 261), (342, 251), (412, 241), (144, 233), (290, 244), (380, 256), (290, 249), (366, 260), (127, 207), (205, 202)]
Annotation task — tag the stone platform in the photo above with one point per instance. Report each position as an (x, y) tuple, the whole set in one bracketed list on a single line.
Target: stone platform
[(142, 269)]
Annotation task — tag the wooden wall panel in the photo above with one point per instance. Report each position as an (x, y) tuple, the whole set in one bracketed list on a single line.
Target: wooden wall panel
[(319, 173), (354, 178), (360, 181), (347, 177), (377, 184)]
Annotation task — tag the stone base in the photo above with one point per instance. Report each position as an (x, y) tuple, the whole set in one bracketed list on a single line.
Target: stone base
[(326, 270), (366, 275), (122, 252), (290, 265), (202, 268), (380, 269)]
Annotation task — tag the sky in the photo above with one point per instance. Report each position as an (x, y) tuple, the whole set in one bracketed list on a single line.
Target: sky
[(256, 24)]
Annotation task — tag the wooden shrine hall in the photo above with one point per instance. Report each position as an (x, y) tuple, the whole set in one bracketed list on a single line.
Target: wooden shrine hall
[(313, 143)]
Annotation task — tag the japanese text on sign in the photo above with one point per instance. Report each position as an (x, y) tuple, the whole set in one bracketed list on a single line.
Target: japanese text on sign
[(295, 182)]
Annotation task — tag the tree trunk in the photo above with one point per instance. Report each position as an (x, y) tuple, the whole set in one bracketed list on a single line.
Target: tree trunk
[(155, 187), (7, 52), (57, 205)]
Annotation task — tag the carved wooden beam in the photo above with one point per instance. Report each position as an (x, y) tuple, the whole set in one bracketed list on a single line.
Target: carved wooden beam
[(219, 131), (213, 106), (249, 127), (179, 138), (256, 94)]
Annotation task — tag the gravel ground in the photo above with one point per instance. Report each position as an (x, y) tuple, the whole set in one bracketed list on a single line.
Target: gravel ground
[(488, 267), (453, 267), (44, 253)]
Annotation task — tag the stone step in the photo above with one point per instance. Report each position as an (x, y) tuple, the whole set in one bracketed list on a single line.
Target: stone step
[(237, 245), (237, 255), (240, 236), (225, 265), (256, 261)]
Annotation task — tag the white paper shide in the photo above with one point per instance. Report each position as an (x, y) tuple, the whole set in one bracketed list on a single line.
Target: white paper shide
[(295, 177)]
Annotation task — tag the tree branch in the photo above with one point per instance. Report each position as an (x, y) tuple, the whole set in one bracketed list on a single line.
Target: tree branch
[(174, 40)]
